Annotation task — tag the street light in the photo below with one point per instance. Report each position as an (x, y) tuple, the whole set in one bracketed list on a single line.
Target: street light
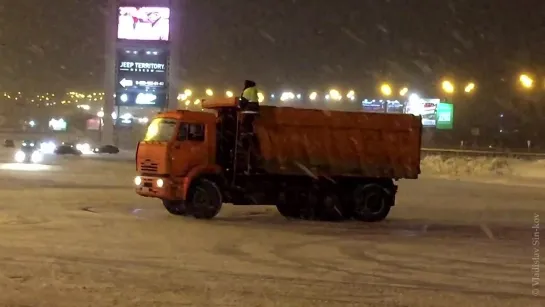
[(209, 92), (335, 94), (403, 92), (287, 96), (313, 96), (188, 93), (448, 87), (351, 95), (386, 89), (526, 81), (229, 94), (470, 87)]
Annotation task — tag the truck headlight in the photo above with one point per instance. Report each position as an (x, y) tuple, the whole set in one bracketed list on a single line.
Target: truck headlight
[(137, 180), (160, 183), (20, 157)]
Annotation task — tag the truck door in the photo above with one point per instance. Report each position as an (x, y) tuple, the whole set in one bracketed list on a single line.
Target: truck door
[(189, 149)]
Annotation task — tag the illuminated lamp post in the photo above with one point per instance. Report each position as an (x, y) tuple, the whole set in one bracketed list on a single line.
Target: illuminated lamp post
[(526, 81), (386, 91)]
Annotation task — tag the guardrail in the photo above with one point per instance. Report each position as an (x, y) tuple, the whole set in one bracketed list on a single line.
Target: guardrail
[(483, 153)]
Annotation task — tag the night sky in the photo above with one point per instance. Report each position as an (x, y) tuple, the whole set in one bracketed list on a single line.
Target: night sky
[(308, 43)]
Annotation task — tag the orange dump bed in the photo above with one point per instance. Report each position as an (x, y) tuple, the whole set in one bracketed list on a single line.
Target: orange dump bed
[(295, 141)]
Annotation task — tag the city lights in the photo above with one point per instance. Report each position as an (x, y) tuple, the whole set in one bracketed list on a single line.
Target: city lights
[(386, 90), (526, 81), (447, 86), (470, 87), (334, 94), (351, 95)]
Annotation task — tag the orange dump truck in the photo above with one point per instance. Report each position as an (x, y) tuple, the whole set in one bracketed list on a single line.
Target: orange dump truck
[(310, 164)]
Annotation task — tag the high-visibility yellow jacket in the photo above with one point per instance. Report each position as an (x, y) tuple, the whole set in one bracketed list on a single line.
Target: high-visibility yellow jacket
[(250, 94)]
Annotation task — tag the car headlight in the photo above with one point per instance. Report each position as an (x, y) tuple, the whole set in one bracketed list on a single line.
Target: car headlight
[(160, 183), (48, 147), (37, 157), (137, 180), (20, 157)]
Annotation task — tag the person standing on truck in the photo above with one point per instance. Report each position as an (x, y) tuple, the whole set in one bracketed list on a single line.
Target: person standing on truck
[(250, 91), (249, 100)]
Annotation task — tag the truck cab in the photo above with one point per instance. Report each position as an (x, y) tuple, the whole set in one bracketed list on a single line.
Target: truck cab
[(178, 145)]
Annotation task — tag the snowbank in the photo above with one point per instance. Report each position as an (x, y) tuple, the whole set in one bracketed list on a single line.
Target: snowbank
[(468, 166)]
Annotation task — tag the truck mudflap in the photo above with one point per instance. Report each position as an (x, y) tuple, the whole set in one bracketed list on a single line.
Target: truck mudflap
[(393, 192)]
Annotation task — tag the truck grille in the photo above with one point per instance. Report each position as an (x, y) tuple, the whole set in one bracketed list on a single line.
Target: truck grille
[(148, 166)]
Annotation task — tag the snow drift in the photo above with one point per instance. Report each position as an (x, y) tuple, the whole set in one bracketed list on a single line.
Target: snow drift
[(482, 167), (468, 166)]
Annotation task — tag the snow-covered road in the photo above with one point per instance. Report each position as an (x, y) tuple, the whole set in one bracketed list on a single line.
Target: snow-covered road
[(76, 235)]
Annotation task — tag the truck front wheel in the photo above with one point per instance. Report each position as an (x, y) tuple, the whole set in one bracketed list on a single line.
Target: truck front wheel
[(371, 203), (204, 199), (175, 207)]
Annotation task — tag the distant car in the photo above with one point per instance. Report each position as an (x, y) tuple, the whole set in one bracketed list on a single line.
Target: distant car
[(107, 149), (29, 153), (9, 144), (67, 149)]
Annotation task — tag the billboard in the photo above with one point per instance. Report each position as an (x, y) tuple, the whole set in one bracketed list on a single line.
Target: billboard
[(424, 107), (383, 106), (57, 124), (373, 105), (445, 116), (394, 106), (143, 23), (141, 78), (93, 123)]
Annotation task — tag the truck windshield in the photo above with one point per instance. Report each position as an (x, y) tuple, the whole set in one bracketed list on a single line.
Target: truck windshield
[(161, 130)]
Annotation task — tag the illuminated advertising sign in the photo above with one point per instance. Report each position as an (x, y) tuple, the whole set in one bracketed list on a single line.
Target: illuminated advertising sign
[(445, 116), (93, 123), (373, 105), (143, 23), (57, 124), (141, 78), (124, 122), (394, 106), (423, 107), (382, 106)]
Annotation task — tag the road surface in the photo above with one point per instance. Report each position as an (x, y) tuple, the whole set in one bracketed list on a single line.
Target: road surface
[(75, 234)]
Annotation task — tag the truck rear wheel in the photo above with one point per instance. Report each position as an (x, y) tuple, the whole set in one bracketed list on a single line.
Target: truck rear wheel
[(371, 203), (204, 199), (175, 207)]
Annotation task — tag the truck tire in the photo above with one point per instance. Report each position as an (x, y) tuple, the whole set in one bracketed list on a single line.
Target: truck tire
[(175, 207), (371, 203), (204, 199)]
